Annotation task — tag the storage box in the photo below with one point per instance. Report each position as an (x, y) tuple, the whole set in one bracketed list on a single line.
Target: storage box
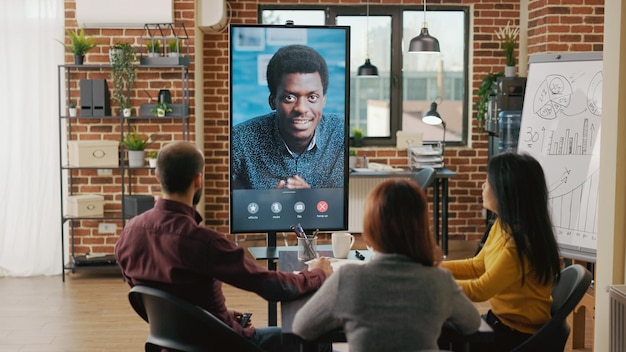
[(137, 204), (100, 153), (85, 205)]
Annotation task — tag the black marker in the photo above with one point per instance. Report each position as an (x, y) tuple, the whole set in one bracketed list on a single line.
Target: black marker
[(359, 255)]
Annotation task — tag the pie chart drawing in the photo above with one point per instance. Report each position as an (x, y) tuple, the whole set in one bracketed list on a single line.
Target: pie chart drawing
[(553, 96), (594, 95)]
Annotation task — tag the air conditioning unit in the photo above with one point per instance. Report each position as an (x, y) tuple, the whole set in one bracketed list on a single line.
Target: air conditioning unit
[(123, 13), (212, 16)]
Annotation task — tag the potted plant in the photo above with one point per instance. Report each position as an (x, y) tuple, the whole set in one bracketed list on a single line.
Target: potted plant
[(123, 73), (79, 45), (353, 158), (152, 157), (508, 39), (153, 48), (136, 144), (72, 109), (160, 109), (486, 89), (174, 48), (357, 135)]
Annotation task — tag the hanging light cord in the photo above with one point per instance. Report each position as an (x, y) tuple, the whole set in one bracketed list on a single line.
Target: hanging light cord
[(367, 30), (425, 24)]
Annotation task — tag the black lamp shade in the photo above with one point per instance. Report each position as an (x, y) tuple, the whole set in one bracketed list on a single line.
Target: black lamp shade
[(432, 117), (424, 42), (367, 69)]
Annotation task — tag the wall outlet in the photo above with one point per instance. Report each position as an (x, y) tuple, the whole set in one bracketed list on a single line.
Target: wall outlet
[(107, 228), (105, 172)]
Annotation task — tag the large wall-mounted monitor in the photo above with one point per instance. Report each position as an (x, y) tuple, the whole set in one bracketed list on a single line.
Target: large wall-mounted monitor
[(288, 127)]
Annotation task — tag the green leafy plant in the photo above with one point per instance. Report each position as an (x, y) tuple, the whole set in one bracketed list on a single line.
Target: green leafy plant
[(160, 106), (79, 43), (72, 105), (152, 154), (487, 88), (508, 39), (153, 46), (357, 136), (353, 152), (136, 141), (123, 72), (174, 45)]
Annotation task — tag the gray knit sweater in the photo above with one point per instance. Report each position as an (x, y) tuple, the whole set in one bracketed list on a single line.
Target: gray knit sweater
[(260, 159), (388, 304)]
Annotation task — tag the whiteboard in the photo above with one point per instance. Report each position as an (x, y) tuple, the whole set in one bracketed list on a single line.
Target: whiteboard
[(560, 127)]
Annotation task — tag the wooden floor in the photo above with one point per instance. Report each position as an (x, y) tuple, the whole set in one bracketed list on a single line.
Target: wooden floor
[(90, 311)]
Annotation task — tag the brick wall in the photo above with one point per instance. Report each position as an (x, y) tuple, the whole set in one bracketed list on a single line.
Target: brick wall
[(554, 26)]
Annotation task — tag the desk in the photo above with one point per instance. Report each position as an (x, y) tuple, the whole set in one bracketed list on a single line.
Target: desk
[(440, 196), (289, 262), (273, 253)]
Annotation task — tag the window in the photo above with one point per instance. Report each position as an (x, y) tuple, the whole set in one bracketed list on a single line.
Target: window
[(407, 83)]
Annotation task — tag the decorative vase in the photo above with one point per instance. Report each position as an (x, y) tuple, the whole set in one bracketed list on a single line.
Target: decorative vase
[(72, 112), (126, 112), (160, 112), (353, 162), (152, 162), (509, 71), (136, 158)]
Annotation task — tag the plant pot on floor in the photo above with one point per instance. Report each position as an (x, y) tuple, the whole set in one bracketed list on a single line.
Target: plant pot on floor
[(136, 158)]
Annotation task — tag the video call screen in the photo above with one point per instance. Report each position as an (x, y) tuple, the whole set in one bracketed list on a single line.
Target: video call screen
[(288, 127)]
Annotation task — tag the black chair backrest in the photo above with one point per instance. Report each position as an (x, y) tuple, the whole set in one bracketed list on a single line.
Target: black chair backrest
[(179, 325), (575, 280), (425, 177)]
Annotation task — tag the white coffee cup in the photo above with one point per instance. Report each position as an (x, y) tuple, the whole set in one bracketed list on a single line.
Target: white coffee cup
[(342, 242)]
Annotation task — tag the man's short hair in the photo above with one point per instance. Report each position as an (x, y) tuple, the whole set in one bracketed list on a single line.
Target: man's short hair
[(295, 59), (177, 164)]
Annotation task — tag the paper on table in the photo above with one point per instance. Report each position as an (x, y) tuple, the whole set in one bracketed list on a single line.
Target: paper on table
[(337, 263)]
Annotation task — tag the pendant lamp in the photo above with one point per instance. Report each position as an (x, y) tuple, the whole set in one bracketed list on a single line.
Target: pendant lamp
[(424, 42), (367, 69)]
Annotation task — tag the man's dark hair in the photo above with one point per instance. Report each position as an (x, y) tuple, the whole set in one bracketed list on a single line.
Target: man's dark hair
[(177, 165), (295, 59)]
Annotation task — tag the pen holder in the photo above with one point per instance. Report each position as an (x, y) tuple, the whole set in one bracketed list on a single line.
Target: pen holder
[(307, 248)]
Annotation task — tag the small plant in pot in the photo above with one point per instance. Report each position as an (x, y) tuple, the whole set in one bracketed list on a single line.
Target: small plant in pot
[(79, 45), (152, 157), (72, 108), (136, 144), (123, 72), (160, 109), (153, 48), (352, 161), (174, 47)]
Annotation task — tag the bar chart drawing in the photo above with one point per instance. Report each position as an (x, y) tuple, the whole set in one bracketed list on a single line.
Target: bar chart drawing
[(570, 142), (561, 128)]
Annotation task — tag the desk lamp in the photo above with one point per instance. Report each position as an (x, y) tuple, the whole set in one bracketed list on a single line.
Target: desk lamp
[(432, 117)]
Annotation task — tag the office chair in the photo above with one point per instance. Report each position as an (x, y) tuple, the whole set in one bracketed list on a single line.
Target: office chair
[(575, 280), (179, 325), (425, 177)]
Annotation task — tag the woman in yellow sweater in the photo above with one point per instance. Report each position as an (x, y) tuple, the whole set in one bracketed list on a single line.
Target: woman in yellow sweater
[(519, 262)]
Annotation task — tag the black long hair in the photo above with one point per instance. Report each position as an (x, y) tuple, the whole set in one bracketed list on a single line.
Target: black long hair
[(519, 186)]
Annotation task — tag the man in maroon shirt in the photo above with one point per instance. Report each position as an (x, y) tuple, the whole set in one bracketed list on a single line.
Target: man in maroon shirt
[(166, 248)]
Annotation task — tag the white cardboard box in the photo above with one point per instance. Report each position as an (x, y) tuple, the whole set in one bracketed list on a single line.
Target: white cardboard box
[(84, 205), (93, 153)]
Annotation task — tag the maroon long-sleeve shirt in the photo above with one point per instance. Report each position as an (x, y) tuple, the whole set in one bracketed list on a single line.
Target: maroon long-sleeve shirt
[(166, 248)]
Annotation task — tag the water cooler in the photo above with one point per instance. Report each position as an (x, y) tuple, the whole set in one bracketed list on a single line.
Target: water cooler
[(504, 114)]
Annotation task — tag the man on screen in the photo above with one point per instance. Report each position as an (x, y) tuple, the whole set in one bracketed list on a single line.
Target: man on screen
[(296, 146)]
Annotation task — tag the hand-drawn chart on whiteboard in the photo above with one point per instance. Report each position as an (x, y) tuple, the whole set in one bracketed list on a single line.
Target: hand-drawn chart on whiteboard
[(561, 128)]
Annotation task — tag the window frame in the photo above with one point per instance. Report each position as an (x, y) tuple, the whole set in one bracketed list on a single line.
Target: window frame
[(396, 76)]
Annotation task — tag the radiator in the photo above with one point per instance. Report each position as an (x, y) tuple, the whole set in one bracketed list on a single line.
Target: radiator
[(617, 333), (358, 190)]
